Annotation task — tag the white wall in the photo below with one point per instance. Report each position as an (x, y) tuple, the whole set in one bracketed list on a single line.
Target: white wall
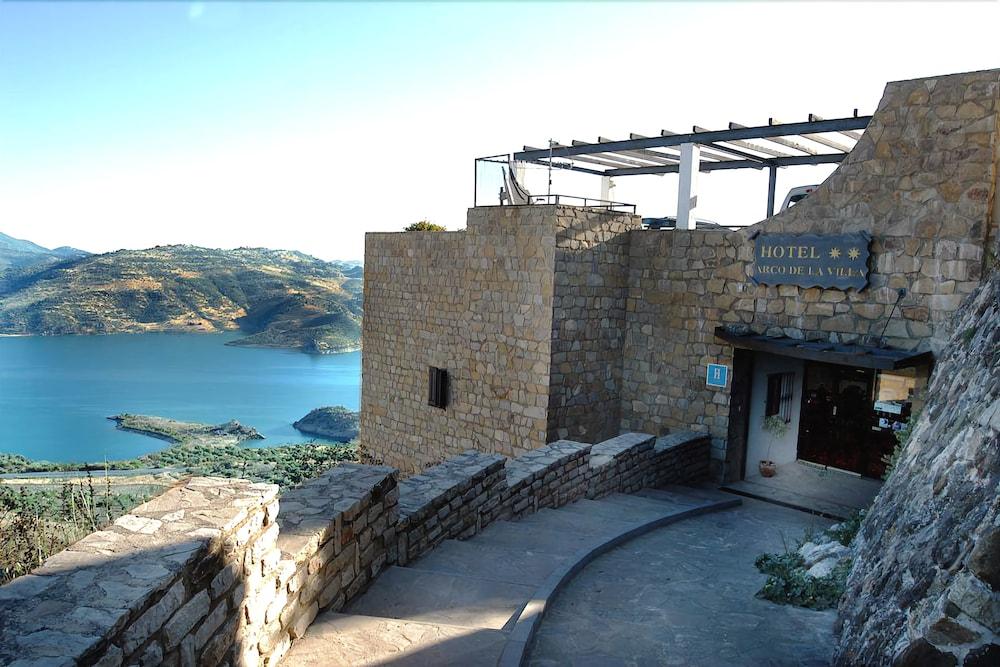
[(783, 450)]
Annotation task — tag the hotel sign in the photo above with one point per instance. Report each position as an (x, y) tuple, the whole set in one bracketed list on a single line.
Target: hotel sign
[(839, 261)]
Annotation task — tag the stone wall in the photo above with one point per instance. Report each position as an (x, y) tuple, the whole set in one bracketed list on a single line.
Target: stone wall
[(164, 584), (447, 501), (212, 573), (924, 588), (207, 573), (921, 180), (479, 303), (337, 533), (588, 317)]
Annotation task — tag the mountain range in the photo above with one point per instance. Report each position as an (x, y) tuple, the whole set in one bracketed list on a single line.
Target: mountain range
[(278, 298), (18, 253)]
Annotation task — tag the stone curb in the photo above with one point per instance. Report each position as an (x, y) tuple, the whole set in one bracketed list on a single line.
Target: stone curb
[(515, 650)]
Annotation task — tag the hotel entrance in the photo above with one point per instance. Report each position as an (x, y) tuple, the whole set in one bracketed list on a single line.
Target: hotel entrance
[(825, 415), (848, 416)]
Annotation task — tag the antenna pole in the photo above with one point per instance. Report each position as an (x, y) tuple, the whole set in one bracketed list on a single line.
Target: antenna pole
[(548, 194)]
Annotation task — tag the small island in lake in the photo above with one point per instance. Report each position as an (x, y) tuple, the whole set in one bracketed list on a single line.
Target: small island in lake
[(334, 422), (230, 433)]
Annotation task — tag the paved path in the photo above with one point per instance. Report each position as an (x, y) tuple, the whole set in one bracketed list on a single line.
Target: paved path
[(470, 603), (831, 493), (684, 595)]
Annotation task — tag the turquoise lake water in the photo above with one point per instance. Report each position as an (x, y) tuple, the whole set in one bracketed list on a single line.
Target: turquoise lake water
[(56, 392)]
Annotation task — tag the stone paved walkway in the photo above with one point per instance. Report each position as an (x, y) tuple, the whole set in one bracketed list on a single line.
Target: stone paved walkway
[(460, 604), (684, 595)]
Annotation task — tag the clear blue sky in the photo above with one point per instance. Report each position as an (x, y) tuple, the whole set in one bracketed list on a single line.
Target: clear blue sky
[(304, 125)]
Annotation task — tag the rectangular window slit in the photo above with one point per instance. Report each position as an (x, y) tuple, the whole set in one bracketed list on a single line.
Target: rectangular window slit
[(437, 387)]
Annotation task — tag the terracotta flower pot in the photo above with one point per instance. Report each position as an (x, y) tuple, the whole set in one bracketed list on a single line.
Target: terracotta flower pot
[(767, 468)]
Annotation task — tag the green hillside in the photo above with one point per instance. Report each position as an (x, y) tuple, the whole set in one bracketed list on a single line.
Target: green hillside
[(278, 298)]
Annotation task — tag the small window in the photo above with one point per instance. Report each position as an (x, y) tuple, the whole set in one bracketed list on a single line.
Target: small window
[(779, 395), (437, 387)]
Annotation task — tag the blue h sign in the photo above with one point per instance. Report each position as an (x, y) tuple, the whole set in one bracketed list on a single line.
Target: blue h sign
[(717, 376)]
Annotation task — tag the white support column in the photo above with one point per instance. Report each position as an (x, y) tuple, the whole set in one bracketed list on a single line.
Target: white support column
[(606, 186), (687, 190)]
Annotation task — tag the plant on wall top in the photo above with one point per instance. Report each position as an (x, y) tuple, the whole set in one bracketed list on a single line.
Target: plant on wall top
[(424, 226)]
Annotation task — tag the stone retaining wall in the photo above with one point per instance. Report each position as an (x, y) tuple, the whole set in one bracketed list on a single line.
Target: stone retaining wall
[(447, 501), (164, 584), (211, 572), (337, 533)]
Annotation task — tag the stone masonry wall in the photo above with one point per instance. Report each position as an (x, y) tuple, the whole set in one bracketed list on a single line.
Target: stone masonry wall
[(337, 533), (206, 574), (447, 501), (211, 573), (591, 283), (922, 181), (162, 585), (479, 303)]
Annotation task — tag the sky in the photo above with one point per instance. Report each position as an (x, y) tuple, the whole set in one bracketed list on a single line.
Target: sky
[(305, 125)]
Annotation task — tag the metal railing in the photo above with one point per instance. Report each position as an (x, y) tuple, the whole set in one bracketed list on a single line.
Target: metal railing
[(583, 202)]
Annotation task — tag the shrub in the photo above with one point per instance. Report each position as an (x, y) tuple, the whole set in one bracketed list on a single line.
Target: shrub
[(424, 226)]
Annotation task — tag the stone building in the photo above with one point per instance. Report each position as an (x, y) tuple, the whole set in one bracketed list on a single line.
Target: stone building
[(558, 322)]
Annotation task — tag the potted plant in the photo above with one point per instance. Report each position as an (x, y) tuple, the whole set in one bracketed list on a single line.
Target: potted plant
[(776, 428)]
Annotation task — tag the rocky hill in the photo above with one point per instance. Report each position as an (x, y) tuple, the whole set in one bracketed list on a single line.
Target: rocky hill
[(278, 298), (335, 422), (17, 254), (925, 585)]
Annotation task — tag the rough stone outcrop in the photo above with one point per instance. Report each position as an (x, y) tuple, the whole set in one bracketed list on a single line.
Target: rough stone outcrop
[(925, 585), (335, 422)]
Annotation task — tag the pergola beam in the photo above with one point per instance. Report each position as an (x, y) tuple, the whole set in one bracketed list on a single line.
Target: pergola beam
[(648, 155), (818, 138), (762, 132), (748, 146), (850, 134), (781, 141), (824, 158)]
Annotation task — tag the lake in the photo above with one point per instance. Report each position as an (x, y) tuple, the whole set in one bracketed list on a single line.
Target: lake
[(57, 391)]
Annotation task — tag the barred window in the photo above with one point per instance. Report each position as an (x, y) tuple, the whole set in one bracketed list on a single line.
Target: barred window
[(779, 395)]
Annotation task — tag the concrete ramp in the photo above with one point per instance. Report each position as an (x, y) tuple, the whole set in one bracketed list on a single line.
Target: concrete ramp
[(478, 602)]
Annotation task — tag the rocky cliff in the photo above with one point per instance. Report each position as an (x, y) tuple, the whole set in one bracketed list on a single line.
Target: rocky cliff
[(925, 585)]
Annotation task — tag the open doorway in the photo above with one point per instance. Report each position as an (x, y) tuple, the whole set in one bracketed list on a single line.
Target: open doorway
[(849, 416)]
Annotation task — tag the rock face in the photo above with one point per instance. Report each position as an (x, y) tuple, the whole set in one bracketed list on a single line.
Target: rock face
[(925, 585), (336, 422)]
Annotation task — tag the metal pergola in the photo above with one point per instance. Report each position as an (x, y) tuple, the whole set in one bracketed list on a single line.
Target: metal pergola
[(771, 146)]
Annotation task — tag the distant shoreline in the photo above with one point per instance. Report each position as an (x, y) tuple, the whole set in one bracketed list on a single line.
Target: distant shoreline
[(184, 332)]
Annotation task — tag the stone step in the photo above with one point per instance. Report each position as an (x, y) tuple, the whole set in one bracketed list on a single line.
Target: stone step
[(705, 491), (534, 539), (689, 497), (344, 640), (486, 560), (637, 511), (568, 520), (435, 597), (629, 503)]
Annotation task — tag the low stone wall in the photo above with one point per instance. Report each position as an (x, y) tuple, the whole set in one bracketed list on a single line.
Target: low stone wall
[(549, 476), (463, 495), (337, 532), (162, 584), (211, 572), (619, 464), (447, 501), (679, 457)]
